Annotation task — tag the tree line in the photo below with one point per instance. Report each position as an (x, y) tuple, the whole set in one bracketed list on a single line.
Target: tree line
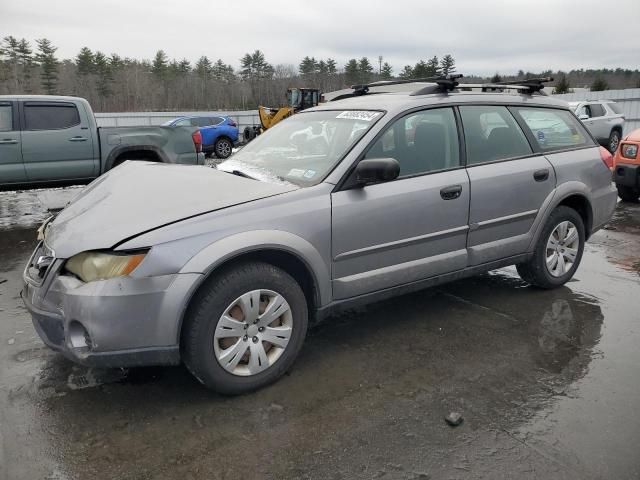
[(114, 83)]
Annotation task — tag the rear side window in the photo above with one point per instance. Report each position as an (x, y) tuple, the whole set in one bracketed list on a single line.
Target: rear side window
[(554, 129), (421, 142), (50, 116), (6, 117), (201, 122), (597, 110), (215, 120), (615, 108), (491, 133)]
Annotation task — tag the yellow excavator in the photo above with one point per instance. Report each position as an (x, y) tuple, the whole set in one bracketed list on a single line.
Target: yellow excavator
[(298, 99)]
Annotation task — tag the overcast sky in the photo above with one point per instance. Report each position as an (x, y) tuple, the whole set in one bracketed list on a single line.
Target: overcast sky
[(484, 36)]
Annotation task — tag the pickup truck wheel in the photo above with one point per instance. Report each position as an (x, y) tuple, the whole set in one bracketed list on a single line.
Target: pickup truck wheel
[(245, 328), (614, 141), (558, 252), (223, 148), (628, 194)]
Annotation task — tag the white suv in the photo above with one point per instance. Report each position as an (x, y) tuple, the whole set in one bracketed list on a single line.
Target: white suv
[(604, 119)]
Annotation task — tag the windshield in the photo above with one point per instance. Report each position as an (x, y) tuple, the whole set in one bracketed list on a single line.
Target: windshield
[(304, 148)]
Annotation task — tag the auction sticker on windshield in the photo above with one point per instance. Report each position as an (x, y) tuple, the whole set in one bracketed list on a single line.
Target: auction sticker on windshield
[(365, 115)]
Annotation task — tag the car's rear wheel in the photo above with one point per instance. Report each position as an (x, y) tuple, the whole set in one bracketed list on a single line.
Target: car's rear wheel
[(223, 148), (245, 328), (628, 194), (558, 252), (614, 140)]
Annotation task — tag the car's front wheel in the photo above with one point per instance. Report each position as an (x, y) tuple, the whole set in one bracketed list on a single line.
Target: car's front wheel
[(223, 148), (558, 252), (245, 328), (614, 140)]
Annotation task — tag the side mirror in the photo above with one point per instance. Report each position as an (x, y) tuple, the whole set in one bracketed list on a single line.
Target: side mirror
[(584, 116), (375, 170)]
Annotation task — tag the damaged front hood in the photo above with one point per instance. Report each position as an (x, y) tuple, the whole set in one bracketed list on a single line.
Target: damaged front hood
[(137, 197)]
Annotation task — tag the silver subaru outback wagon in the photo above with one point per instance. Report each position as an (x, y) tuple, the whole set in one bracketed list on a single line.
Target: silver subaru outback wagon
[(359, 199)]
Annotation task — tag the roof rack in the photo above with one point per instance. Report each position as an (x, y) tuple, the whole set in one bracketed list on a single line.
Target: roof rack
[(528, 86), (444, 84)]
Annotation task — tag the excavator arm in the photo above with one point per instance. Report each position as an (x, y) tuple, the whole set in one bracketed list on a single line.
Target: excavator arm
[(269, 117)]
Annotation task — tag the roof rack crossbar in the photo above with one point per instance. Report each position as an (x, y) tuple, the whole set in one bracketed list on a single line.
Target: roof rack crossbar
[(444, 83)]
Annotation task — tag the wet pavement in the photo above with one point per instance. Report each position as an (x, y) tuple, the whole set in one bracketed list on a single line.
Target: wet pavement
[(548, 383)]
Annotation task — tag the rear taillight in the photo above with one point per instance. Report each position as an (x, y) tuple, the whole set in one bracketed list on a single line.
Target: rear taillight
[(232, 122), (606, 157), (197, 140), (629, 150)]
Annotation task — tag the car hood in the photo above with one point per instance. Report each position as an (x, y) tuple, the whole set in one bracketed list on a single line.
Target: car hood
[(138, 197)]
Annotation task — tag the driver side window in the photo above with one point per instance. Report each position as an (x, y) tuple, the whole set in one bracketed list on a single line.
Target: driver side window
[(421, 142)]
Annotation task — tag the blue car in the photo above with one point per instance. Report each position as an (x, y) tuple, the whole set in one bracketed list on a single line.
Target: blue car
[(219, 134)]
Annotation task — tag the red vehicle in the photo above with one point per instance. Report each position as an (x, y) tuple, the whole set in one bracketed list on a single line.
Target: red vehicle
[(626, 167)]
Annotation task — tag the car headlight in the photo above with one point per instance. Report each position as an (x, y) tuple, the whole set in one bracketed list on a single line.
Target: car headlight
[(90, 266), (629, 151)]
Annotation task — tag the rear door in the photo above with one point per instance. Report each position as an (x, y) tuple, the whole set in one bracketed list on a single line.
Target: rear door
[(509, 183), (11, 165), (598, 122), (57, 141), (411, 228)]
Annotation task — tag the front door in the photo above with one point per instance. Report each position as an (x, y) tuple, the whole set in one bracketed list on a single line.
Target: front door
[(509, 183), (57, 142), (11, 166), (412, 228)]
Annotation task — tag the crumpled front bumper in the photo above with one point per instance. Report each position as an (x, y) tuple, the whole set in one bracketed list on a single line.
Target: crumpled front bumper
[(120, 322)]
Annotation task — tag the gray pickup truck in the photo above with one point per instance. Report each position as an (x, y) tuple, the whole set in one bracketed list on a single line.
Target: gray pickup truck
[(55, 140)]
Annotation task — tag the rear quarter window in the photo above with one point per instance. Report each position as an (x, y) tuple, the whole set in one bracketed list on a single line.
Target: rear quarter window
[(554, 129), (615, 108), (6, 117), (50, 116)]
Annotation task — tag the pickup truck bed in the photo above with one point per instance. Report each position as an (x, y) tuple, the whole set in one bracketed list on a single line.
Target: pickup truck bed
[(55, 140)]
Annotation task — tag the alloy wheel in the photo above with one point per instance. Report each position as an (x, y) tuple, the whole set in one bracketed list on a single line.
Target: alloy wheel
[(562, 248), (253, 332), (223, 149)]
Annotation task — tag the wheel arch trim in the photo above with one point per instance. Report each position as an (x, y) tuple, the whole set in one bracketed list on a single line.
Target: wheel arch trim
[(556, 198)]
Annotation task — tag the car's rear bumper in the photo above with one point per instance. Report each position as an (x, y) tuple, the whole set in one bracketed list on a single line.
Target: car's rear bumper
[(121, 322), (627, 175)]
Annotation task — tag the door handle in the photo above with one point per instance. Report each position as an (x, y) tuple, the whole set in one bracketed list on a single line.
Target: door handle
[(78, 139), (451, 193), (541, 175), (8, 141)]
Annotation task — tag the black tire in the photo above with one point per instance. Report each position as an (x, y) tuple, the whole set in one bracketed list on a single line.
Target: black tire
[(614, 141), (628, 194), (223, 148), (211, 302), (535, 271)]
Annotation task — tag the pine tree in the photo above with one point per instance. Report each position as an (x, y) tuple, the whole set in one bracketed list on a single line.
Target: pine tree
[(407, 72), (104, 77), (46, 57), (351, 72), (85, 61), (420, 70), (322, 67), (10, 52), (116, 62), (599, 85), (332, 67), (387, 72), (447, 65), (203, 67), (184, 67), (308, 66), (496, 78), (562, 86), (160, 65), (25, 57), (365, 69), (433, 67)]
